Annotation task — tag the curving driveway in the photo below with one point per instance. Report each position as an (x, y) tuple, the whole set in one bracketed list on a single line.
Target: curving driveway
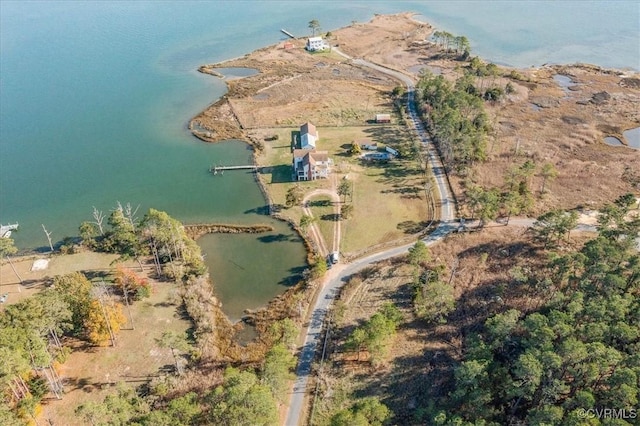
[(338, 275)]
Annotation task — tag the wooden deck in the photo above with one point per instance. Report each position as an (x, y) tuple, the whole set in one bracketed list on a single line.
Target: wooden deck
[(216, 169)]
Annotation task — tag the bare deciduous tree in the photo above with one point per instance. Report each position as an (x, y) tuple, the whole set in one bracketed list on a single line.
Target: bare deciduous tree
[(48, 234), (128, 212), (99, 218)]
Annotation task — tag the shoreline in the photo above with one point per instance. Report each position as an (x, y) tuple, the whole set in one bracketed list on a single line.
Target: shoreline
[(197, 230)]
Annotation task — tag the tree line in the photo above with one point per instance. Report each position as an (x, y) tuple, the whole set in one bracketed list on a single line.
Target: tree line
[(514, 197), (32, 331), (157, 235), (30, 345), (455, 116), (450, 42)]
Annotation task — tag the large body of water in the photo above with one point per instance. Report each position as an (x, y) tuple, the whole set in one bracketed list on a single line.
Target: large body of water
[(95, 97)]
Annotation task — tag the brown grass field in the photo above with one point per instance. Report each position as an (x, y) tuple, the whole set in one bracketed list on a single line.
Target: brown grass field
[(90, 373)]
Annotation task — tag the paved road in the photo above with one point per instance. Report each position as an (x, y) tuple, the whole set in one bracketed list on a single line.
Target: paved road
[(338, 275)]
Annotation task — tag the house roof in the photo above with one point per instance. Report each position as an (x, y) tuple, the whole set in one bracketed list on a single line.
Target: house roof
[(300, 153), (312, 39), (311, 155), (322, 156), (309, 128)]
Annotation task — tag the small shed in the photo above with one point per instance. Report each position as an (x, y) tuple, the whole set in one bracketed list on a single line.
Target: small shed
[(308, 136), (383, 118)]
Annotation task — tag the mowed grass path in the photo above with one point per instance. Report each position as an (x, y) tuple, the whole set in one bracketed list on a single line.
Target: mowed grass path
[(389, 198), (322, 209)]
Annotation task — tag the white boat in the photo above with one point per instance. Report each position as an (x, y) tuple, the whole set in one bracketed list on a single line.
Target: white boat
[(5, 230)]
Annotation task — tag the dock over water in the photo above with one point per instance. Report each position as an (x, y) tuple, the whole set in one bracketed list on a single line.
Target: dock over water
[(216, 169), (287, 33)]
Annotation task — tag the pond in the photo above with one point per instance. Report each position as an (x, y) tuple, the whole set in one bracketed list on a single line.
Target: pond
[(236, 73), (633, 137), (564, 81), (248, 270), (613, 141)]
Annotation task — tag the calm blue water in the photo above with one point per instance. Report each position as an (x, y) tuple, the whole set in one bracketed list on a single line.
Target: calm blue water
[(95, 96)]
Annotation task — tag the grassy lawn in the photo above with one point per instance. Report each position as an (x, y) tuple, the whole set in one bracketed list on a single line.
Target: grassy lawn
[(327, 54), (389, 199), (388, 203)]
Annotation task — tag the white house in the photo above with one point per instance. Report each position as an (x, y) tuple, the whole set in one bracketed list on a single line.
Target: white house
[(311, 164), (308, 136), (315, 43)]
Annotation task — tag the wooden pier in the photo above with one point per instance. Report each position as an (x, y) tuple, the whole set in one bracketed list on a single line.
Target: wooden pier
[(221, 169), (287, 33)]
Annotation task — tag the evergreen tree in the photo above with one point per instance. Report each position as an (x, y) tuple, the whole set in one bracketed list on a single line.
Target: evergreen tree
[(241, 400)]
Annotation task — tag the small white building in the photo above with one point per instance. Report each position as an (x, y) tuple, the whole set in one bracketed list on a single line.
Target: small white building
[(383, 118), (308, 136), (315, 44)]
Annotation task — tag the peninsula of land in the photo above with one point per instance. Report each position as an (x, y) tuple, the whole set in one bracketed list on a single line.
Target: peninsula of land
[(557, 114)]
